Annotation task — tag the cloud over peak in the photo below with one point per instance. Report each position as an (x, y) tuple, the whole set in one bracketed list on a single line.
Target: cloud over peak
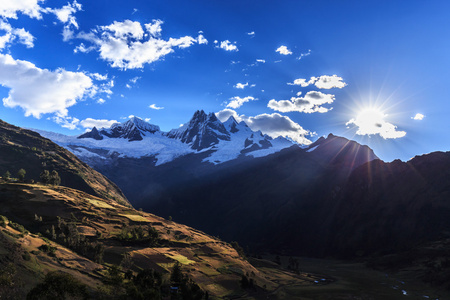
[(372, 122), (237, 102), (274, 125)]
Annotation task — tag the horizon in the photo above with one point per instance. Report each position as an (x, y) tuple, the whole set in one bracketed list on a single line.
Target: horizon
[(295, 69)]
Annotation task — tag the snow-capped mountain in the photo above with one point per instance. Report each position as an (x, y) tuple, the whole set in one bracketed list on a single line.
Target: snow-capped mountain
[(132, 130), (204, 133)]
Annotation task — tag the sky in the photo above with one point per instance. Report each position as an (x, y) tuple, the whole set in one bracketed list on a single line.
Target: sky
[(376, 72)]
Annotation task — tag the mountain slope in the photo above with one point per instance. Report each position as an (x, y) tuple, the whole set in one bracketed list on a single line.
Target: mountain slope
[(269, 203), (86, 235), (26, 149), (393, 206)]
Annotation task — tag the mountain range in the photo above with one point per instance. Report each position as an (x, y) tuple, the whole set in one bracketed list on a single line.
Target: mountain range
[(204, 133), (83, 240), (333, 198), (268, 193)]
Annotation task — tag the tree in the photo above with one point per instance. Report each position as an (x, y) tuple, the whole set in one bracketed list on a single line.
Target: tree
[(176, 276), (7, 175), (21, 174), (54, 178), (58, 285), (45, 177)]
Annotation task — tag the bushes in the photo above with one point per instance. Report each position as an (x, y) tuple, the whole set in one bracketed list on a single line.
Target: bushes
[(18, 227), (138, 234), (50, 178), (58, 285), (3, 221), (50, 250)]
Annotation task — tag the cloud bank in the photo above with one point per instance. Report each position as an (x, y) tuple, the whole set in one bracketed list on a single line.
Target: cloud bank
[(274, 125), (128, 45), (41, 91)]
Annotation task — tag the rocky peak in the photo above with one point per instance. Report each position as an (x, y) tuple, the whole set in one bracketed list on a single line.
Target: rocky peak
[(133, 129), (94, 134), (337, 150), (202, 131)]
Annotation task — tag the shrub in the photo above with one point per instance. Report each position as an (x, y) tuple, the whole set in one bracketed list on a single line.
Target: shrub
[(58, 285), (21, 174), (3, 221), (18, 227), (26, 256)]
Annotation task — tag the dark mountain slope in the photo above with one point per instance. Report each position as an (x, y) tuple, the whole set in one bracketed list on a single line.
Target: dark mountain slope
[(20, 148), (393, 206), (272, 203)]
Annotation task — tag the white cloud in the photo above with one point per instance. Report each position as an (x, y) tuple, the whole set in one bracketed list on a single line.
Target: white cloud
[(101, 101), (329, 82), (372, 122), (202, 40), (302, 82), (261, 61), (147, 119), (227, 46), (10, 8), (283, 50), (322, 82), (98, 76), (81, 47), (237, 102), (153, 106), (418, 117), (240, 85), (251, 34), (67, 122), (274, 125), (154, 28), (312, 102), (99, 123), (304, 54), (41, 91), (126, 45), (135, 79), (66, 13), (13, 34), (128, 86)]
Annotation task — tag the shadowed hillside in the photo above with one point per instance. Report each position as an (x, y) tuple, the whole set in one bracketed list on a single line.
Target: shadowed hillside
[(25, 149)]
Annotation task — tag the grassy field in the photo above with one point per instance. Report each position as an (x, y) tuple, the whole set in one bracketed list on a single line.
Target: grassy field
[(356, 281)]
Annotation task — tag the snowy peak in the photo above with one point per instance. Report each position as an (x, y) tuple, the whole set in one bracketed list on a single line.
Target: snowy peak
[(202, 131), (133, 130)]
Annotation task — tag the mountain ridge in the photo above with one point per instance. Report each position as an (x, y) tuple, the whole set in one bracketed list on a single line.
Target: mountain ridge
[(204, 132)]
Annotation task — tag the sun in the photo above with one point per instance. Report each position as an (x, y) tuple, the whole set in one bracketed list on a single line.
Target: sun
[(372, 120)]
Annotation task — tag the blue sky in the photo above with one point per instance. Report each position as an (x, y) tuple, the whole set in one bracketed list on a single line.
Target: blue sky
[(373, 71)]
